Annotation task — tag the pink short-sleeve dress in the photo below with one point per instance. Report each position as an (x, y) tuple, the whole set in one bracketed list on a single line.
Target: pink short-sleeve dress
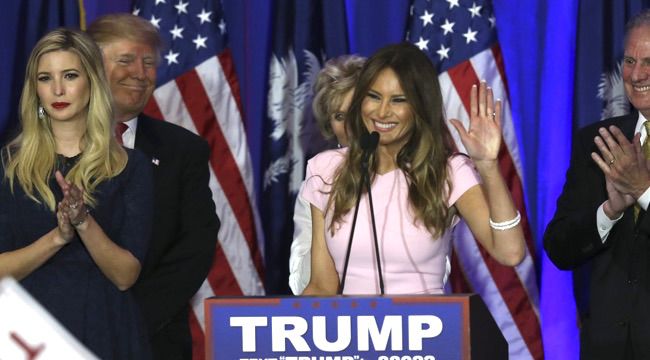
[(412, 260)]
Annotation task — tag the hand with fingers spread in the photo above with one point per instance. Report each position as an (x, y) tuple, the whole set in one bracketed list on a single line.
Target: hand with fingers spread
[(72, 206), (483, 137), (622, 161)]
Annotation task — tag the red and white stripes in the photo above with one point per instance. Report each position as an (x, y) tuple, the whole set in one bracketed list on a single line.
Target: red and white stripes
[(206, 101), (511, 294)]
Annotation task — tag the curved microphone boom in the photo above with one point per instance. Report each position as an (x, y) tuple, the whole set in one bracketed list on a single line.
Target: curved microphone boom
[(368, 143)]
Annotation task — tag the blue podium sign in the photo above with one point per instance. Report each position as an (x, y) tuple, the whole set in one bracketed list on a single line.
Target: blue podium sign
[(339, 328)]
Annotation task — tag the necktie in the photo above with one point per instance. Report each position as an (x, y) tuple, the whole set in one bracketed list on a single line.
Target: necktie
[(646, 143), (119, 130), (646, 151)]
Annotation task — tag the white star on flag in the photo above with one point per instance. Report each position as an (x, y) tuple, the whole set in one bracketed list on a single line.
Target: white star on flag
[(475, 10), (427, 18), (448, 27), (155, 21), (176, 32), (222, 26), (204, 16), (200, 41), (452, 3), (443, 52), (470, 36), (171, 57), (422, 44), (181, 7)]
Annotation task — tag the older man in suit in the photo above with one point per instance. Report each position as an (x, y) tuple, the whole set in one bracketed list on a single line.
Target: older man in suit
[(601, 229), (185, 222)]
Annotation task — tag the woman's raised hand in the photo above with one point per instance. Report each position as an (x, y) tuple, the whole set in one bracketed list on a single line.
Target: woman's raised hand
[(482, 139)]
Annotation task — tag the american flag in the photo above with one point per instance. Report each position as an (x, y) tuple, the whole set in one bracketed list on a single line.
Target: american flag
[(460, 37), (198, 89)]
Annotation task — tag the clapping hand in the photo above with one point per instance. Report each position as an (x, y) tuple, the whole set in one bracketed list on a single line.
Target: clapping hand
[(482, 139), (72, 206), (66, 230), (622, 161)]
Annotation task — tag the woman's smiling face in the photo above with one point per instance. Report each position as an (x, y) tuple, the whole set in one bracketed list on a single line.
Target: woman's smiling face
[(386, 110)]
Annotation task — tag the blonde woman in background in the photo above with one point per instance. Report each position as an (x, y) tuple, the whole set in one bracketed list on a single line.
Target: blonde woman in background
[(332, 95)]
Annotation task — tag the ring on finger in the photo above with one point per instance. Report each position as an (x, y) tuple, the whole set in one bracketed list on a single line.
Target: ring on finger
[(611, 162)]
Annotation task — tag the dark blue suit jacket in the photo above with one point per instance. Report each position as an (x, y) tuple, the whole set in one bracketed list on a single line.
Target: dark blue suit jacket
[(184, 235), (611, 280)]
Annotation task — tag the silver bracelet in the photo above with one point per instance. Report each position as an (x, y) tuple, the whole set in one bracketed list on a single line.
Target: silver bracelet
[(505, 225)]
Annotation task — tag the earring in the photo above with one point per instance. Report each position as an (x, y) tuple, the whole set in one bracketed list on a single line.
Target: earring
[(41, 112)]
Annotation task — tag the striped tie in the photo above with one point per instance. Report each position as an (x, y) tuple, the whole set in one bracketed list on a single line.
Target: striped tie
[(646, 151)]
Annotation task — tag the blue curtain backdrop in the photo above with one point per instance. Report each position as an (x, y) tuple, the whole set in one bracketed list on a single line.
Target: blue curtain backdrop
[(543, 42), (22, 23)]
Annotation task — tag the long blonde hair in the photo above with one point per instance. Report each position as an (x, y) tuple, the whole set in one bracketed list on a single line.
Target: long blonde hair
[(423, 159), (30, 158)]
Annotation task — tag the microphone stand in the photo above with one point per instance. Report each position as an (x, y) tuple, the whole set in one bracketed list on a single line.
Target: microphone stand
[(354, 223), (374, 233), (368, 144)]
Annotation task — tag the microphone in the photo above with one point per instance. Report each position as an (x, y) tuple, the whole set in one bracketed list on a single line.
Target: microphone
[(368, 143)]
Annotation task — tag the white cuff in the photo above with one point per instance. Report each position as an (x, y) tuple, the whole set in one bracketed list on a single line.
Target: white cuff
[(604, 223)]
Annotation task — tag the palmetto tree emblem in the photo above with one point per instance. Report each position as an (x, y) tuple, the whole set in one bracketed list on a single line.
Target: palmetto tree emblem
[(612, 92), (288, 100)]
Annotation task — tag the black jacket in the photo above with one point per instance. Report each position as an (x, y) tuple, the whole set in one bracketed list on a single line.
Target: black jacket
[(611, 282), (184, 235)]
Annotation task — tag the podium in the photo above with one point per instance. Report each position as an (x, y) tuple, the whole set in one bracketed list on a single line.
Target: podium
[(417, 327)]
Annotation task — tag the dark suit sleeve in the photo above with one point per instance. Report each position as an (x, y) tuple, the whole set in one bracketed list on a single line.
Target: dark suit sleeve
[(135, 234), (180, 272), (572, 238)]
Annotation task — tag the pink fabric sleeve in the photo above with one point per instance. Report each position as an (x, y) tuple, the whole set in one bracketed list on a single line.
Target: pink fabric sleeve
[(319, 177), (463, 176)]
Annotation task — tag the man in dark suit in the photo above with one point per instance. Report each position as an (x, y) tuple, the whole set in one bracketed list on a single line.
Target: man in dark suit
[(601, 229), (185, 222)]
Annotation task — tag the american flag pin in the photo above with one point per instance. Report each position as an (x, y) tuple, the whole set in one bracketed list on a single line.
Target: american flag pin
[(155, 161)]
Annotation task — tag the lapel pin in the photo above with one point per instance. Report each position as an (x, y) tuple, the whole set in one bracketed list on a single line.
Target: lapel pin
[(155, 161)]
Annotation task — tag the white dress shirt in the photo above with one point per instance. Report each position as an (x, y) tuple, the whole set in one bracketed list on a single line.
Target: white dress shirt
[(128, 138)]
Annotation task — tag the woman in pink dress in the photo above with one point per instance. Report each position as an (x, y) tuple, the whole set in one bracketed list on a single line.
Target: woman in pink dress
[(420, 185)]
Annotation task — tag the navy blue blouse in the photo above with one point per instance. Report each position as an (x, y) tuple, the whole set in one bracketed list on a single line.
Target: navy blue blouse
[(70, 285)]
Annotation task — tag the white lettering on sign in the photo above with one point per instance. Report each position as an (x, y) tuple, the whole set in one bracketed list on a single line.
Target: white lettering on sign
[(248, 325), (423, 327), (293, 329), (344, 326), (367, 330), (290, 328)]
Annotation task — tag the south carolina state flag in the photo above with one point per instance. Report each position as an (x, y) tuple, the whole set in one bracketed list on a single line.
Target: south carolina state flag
[(305, 34)]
